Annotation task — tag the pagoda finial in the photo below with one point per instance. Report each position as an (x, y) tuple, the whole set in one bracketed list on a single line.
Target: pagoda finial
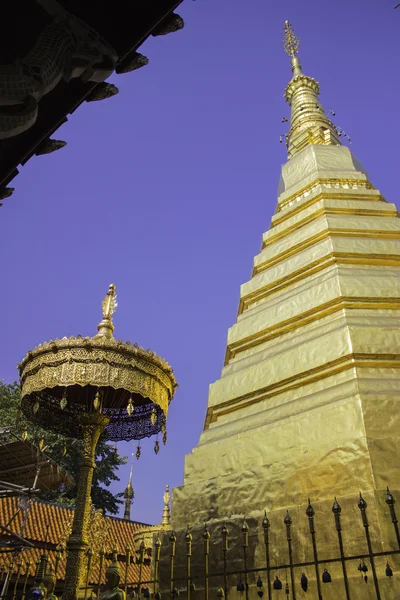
[(129, 496), (291, 42), (308, 121), (291, 45), (109, 304), (166, 516)]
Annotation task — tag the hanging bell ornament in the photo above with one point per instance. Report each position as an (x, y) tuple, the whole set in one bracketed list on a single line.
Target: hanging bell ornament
[(35, 407), (138, 451), (153, 416), (220, 592), (164, 438), (326, 577), (157, 447), (259, 582), (260, 593), (240, 586), (388, 572), (130, 407), (304, 582), (277, 583), (96, 401), (63, 401), (24, 435)]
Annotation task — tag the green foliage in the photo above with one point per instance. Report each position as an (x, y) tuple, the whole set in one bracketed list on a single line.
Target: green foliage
[(107, 458)]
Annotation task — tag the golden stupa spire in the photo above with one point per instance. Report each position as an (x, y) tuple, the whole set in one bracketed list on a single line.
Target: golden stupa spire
[(129, 496), (109, 304), (308, 121)]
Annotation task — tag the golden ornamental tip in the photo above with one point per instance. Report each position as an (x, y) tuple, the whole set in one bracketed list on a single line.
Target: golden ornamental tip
[(291, 42), (167, 496), (109, 305)]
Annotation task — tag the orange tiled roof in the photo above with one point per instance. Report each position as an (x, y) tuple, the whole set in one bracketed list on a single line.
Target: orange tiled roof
[(57, 518)]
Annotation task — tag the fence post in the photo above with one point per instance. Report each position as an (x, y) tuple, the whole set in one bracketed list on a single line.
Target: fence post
[(225, 535), (266, 526), (188, 539), (245, 532), (336, 509), (8, 579), (19, 566), (157, 552), (310, 512), (127, 563), (362, 505), (142, 549), (390, 501), (172, 539), (288, 522), (206, 538)]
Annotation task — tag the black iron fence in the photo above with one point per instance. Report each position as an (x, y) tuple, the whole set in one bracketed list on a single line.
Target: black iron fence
[(231, 572), (265, 577)]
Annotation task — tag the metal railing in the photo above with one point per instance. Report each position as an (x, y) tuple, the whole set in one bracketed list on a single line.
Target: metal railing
[(232, 567), (262, 574)]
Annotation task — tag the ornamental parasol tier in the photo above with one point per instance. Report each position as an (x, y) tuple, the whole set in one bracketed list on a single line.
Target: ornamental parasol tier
[(63, 380), (91, 388)]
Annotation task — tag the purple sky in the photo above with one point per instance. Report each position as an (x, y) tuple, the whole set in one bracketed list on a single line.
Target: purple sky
[(166, 190)]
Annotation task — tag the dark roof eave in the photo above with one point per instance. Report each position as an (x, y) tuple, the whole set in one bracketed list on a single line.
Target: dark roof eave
[(65, 99)]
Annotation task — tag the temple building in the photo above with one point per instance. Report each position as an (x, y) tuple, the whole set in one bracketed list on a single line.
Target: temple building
[(306, 405)]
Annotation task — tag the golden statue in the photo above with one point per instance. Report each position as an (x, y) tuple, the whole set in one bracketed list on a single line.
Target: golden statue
[(112, 591)]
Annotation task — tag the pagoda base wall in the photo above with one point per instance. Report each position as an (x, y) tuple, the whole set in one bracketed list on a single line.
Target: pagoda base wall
[(334, 437)]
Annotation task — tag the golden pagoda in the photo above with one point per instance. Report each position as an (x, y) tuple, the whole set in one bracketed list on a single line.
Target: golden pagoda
[(307, 402)]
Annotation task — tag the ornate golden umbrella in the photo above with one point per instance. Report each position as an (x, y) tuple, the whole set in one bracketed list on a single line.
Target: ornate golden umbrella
[(92, 387)]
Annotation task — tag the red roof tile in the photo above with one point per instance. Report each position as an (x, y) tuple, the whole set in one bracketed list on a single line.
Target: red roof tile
[(55, 518)]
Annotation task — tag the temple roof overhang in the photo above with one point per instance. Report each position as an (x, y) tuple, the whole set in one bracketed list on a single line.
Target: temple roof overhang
[(24, 468), (118, 28)]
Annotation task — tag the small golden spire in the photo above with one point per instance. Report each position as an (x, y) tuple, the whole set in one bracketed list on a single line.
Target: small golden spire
[(291, 42), (129, 496), (109, 304), (166, 517)]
